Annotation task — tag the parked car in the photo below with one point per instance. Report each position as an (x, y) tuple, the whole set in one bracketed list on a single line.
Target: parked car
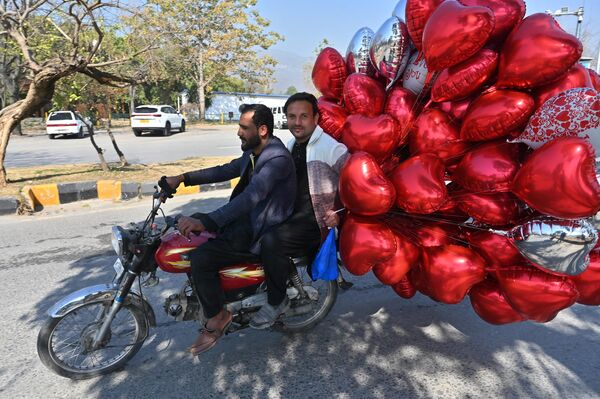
[(67, 123), (279, 118), (151, 118)]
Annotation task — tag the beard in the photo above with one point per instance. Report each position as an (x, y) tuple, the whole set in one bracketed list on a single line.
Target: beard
[(251, 143)]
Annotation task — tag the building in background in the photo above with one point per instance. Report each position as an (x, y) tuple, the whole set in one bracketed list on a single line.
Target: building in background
[(225, 106)]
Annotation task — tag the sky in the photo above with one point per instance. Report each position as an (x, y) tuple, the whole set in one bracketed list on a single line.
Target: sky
[(305, 23)]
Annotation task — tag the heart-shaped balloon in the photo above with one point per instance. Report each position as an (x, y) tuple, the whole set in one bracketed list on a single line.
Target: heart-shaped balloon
[(489, 304), (465, 78), (363, 95), (536, 295), (357, 55), (537, 52), (496, 209), (490, 167), (329, 73), (400, 104), (575, 112), (363, 188), (495, 248), (588, 282), (365, 243), (595, 79), (578, 76), (425, 233), (507, 13), (451, 271), (433, 132), (559, 179), (331, 117), (377, 136), (454, 33), (456, 109), (419, 183), (417, 13), (415, 74), (391, 271), (390, 49), (405, 288), (495, 114)]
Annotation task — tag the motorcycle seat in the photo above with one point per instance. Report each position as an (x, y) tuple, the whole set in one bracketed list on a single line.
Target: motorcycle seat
[(301, 261)]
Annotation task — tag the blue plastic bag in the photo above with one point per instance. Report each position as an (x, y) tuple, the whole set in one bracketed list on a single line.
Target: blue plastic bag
[(325, 267)]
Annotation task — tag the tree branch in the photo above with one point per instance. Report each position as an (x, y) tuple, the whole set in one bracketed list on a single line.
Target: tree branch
[(58, 28), (122, 60), (107, 78)]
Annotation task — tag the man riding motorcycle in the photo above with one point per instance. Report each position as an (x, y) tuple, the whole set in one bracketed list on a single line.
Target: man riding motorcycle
[(264, 197)]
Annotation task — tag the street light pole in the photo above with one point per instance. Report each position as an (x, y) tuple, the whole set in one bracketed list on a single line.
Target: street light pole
[(565, 11)]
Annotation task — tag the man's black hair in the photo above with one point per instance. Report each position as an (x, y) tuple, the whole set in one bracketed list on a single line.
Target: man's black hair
[(302, 96), (262, 115)]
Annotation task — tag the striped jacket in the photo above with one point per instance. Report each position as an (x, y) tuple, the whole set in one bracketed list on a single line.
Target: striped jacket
[(324, 160)]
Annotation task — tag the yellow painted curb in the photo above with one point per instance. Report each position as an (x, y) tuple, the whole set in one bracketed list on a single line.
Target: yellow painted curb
[(234, 182), (45, 194), (109, 189), (187, 190)]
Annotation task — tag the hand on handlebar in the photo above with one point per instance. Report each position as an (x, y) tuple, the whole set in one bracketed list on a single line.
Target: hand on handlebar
[(168, 186), (187, 225)]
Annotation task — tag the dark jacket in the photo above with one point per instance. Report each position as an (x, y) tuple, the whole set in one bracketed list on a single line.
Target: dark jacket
[(268, 198)]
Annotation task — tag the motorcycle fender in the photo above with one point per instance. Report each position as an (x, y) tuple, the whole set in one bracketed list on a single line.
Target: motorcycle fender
[(100, 291)]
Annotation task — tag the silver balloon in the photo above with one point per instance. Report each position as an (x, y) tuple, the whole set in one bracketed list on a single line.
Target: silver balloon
[(390, 49), (415, 74), (357, 55), (558, 245), (595, 220), (400, 10)]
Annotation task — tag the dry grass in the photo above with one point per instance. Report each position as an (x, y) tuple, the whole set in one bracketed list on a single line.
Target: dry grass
[(19, 177)]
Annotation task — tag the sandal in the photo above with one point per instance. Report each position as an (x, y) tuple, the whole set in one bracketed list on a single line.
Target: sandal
[(208, 338)]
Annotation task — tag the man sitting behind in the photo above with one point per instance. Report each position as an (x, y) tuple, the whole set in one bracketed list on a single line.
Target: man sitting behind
[(264, 197), (318, 159)]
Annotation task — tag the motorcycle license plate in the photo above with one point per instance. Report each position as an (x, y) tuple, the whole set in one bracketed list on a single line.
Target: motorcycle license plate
[(118, 266)]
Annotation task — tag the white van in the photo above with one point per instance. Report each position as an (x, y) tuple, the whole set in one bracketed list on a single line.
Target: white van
[(279, 118)]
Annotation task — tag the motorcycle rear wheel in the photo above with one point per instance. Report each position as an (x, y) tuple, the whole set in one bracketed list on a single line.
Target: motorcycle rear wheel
[(327, 291), (63, 343)]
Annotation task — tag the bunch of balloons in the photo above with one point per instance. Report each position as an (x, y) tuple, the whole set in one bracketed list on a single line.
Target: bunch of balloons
[(473, 133)]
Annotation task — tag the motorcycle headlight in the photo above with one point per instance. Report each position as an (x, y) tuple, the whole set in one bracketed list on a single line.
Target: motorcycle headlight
[(117, 240)]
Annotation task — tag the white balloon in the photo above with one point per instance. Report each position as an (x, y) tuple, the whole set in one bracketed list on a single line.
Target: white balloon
[(415, 74)]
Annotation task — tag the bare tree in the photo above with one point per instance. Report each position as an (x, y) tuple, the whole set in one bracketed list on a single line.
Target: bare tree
[(78, 28)]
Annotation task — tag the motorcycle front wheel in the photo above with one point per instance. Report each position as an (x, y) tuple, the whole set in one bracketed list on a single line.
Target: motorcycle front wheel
[(64, 343)]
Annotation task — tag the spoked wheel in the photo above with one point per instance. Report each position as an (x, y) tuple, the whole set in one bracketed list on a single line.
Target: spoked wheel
[(65, 343), (306, 312)]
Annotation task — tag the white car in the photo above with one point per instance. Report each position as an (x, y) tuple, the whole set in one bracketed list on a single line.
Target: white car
[(66, 123), (162, 118)]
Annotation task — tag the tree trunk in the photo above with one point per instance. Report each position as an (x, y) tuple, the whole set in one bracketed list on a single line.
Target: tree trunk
[(201, 86), (131, 99), (112, 137), (99, 150)]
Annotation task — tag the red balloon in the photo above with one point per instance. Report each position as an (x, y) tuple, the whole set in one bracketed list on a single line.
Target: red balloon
[(426, 233), (378, 135), (405, 288), (434, 133), (559, 179), (496, 209), (417, 13), (400, 104), (331, 117), (465, 78), (537, 52), (588, 282), (496, 249), (456, 109), (419, 183), (329, 73), (575, 112), (578, 76), (490, 167), (595, 79), (365, 243), (363, 95), (495, 114), (536, 295), (363, 187), (508, 13), (454, 33), (418, 279), (451, 271), (393, 270), (489, 304)]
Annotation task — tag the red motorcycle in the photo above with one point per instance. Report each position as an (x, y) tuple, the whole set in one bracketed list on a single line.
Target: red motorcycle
[(97, 329)]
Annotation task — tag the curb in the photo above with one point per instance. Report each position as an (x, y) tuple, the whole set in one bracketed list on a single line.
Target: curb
[(38, 196)]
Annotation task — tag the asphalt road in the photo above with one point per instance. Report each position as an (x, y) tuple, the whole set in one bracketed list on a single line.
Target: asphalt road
[(373, 344), (212, 141)]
